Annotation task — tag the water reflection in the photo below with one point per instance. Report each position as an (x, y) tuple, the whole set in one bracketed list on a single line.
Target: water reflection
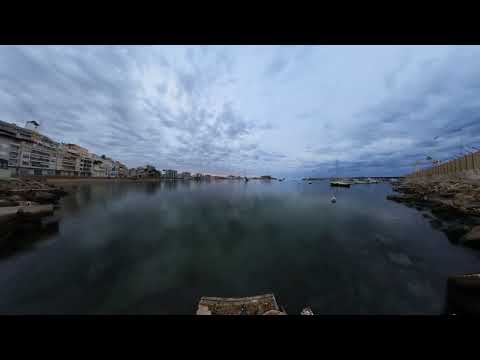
[(158, 247), (21, 235)]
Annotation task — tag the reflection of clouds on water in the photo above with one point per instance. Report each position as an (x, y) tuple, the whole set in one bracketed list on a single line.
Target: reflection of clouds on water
[(159, 247)]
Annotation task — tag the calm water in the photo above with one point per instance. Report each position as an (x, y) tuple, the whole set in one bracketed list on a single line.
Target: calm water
[(159, 247)]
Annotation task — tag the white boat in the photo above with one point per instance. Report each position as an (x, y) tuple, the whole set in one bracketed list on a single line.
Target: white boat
[(340, 183)]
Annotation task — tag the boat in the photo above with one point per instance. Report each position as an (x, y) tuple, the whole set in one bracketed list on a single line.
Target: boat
[(337, 182), (340, 183), (310, 182), (359, 182), (333, 199)]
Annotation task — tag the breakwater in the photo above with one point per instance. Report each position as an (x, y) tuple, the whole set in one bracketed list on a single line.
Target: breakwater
[(465, 166)]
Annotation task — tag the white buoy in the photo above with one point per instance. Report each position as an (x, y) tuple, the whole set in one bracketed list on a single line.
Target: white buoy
[(333, 199)]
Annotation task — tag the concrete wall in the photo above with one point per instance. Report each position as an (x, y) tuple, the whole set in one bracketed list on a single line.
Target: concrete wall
[(466, 166)]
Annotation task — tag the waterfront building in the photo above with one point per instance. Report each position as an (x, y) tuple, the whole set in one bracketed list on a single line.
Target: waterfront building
[(68, 161), (170, 174), (140, 172), (122, 169), (185, 175), (151, 171), (132, 172), (83, 160), (7, 137), (108, 166), (27, 152), (98, 168)]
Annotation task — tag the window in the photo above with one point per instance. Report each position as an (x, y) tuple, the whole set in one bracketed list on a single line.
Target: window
[(3, 164)]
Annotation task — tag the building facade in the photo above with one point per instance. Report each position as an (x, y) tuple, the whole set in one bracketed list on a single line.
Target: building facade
[(185, 175), (26, 152), (170, 174)]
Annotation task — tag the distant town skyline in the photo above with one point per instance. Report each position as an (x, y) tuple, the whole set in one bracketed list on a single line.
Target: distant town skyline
[(256, 110)]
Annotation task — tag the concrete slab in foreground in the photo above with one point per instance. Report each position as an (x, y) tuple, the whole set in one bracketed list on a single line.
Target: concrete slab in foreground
[(253, 305)]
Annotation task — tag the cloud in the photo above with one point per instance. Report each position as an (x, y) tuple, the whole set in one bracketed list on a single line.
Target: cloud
[(291, 110)]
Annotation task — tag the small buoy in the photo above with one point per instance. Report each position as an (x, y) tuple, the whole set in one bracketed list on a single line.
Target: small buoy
[(333, 199)]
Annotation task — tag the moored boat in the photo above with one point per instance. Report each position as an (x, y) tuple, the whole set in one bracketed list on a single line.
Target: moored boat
[(340, 183)]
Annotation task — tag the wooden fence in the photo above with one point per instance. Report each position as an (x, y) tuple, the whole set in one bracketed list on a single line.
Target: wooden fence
[(453, 167)]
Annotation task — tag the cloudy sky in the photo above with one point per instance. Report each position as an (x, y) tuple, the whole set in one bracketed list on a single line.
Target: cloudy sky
[(281, 110)]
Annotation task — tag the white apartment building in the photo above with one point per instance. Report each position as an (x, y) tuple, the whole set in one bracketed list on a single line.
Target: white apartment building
[(26, 152)]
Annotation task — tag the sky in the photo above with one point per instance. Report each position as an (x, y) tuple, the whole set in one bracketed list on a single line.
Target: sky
[(290, 111)]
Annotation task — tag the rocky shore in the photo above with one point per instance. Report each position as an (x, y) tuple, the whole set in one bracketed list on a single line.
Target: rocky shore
[(453, 203), (26, 205)]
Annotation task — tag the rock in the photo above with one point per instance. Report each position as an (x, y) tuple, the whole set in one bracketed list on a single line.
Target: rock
[(203, 310), (35, 211), (7, 214), (455, 232), (15, 198), (435, 223), (59, 192), (44, 197), (274, 312), (402, 198), (5, 203), (306, 311), (472, 238)]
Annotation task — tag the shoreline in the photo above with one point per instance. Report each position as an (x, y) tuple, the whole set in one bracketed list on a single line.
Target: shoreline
[(454, 204), (86, 180)]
